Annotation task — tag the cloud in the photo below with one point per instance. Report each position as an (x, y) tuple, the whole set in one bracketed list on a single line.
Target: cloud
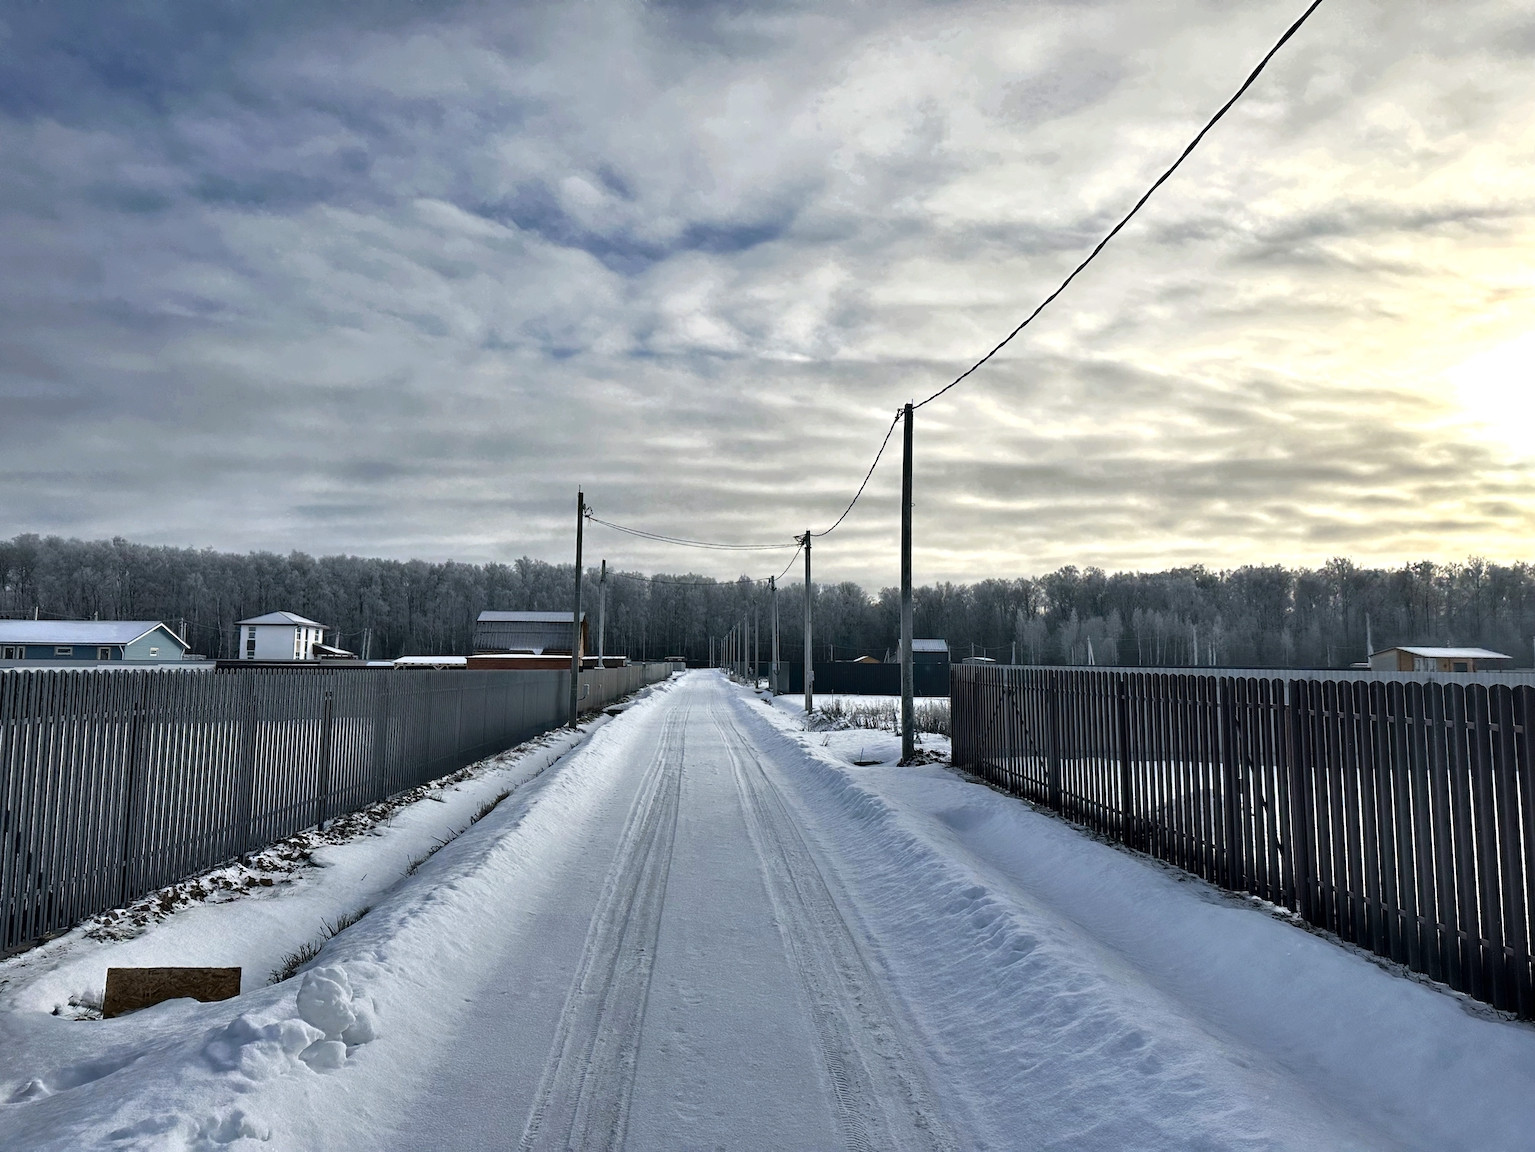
[(397, 280)]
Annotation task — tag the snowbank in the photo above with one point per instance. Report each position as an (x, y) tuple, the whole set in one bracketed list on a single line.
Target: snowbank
[(1125, 1004)]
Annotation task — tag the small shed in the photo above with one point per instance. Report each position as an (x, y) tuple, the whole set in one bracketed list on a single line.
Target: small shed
[(90, 640), (1418, 658), (530, 633)]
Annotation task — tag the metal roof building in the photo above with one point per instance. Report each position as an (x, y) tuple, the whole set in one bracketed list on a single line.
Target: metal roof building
[(539, 633), (929, 651), (77, 640), (1418, 658)]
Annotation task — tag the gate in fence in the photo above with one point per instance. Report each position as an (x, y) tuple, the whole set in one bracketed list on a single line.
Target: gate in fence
[(116, 783), (1398, 814)]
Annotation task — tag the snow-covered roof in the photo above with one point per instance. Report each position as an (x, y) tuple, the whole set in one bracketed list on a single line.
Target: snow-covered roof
[(431, 662), (929, 645), (1446, 653), (283, 618), (79, 631), (526, 617)]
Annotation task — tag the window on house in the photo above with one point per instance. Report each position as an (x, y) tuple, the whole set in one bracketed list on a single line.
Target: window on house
[(154, 651), (103, 653), (64, 650), (12, 652)]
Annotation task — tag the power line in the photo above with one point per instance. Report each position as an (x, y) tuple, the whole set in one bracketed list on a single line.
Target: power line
[(1162, 179), (614, 574), (865, 484), (1048, 300), (638, 579), (664, 539), (793, 558)]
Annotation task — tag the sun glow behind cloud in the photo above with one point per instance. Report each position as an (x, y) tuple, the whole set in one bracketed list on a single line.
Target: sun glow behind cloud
[(1496, 389)]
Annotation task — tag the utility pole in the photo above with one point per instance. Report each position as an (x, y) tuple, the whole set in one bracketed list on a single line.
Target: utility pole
[(809, 656), (773, 672), (602, 613), (575, 621), (908, 705), (756, 646)]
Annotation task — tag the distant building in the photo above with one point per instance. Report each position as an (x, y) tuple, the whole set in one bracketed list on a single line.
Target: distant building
[(76, 641), (1416, 658), (526, 633), (283, 636), (929, 651), (432, 662)]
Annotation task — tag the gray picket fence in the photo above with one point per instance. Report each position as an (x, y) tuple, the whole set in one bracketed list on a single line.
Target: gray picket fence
[(1396, 812), (116, 783)]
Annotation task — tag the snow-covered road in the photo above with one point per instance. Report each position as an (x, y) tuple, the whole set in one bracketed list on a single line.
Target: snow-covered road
[(705, 928), (689, 982)]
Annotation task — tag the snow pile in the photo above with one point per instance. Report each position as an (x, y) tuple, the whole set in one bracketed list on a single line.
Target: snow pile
[(332, 1021)]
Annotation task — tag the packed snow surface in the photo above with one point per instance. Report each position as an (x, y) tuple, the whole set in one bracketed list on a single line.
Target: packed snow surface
[(701, 926)]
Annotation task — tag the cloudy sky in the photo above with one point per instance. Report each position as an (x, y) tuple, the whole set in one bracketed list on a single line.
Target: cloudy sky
[(393, 278)]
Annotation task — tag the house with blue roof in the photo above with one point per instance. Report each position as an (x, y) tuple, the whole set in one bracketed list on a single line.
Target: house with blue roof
[(82, 641)]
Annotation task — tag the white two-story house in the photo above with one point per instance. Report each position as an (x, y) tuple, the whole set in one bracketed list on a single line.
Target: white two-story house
[(278, 636)]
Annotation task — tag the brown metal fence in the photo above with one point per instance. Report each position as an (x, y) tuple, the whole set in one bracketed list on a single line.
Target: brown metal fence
[(1397, 813), (116, 783)]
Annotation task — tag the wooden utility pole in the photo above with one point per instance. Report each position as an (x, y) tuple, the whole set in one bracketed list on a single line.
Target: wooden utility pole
[(773, 671), (809, 655), (602, 613), (908, 683), (756, 645), (575, 622)]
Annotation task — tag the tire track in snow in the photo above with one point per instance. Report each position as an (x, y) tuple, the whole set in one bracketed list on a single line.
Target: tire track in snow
[(584, 1094), (883, 1099)]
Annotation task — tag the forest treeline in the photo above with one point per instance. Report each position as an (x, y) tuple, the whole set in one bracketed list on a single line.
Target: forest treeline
[(1256, 617)]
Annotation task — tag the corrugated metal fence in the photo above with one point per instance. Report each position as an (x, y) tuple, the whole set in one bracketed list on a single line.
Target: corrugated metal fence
[(1397, 813), (116, 783)]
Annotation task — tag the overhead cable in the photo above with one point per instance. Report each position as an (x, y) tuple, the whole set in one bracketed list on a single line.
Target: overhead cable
[(1162, 179), (664, 539), (1029, 319), (614, 574), (792, 559), (882, 445)]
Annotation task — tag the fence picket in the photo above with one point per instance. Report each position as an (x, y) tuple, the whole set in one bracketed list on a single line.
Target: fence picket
[(1398, 815), (115, 782)]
